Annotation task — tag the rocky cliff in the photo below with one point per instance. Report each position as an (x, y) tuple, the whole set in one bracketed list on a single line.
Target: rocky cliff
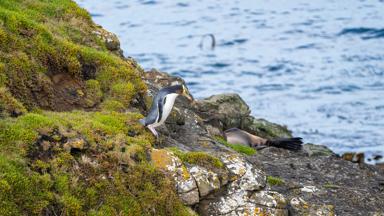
[(70, 142)]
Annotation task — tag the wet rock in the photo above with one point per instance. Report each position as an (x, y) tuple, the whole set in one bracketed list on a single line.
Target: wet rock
[(206, 180), (317, 150), (328, 184), (271, 199), (190, 197), (230, 109), (354, 157), (239, 195), (226, 111), (377, 157), (301, 207), (309, 189), (247, 203), (235, 165), (380, 165), (253, 179)]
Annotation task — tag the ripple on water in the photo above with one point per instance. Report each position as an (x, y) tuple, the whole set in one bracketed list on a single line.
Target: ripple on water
[(273, 87), (96, 14), (364, 32), (150, 2), (327, 89), (233, 42), (219, 65)]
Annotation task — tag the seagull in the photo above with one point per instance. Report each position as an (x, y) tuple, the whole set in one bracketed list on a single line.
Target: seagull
[(162, 105)]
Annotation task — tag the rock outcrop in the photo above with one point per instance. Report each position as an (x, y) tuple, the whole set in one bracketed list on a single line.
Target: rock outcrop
[(314, 181)]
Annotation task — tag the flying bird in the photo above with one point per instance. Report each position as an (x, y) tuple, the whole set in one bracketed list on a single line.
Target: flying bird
[(162, 106)]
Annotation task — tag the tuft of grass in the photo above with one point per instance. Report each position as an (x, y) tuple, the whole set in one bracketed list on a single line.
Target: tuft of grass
[(112, 105), (94, 93), (123, 92), (199, 158), (237, 147), (331, 186), (274, 180)]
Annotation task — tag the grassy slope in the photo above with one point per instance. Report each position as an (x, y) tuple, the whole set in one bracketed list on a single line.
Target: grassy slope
[(73, 162), (40, 39)]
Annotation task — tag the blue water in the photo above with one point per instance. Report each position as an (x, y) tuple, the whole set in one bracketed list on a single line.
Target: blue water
[(316, 66)]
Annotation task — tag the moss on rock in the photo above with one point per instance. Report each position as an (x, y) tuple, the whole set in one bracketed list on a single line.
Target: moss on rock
[(273, 180), (9, 106), (49, 49), (199, 158), (111, 175)]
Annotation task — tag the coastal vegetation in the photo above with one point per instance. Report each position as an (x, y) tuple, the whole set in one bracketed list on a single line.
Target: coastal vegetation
[(237, 147), (68, 146)]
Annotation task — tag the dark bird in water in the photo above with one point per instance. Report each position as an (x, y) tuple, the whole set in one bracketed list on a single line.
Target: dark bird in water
[(237, 136), (213, 41), (162, 106)]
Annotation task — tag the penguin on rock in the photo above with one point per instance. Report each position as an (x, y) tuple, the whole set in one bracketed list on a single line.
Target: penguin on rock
[(162, 106)]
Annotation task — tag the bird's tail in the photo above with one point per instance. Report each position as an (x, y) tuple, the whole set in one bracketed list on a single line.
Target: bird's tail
[(142, 121), (294, 144)]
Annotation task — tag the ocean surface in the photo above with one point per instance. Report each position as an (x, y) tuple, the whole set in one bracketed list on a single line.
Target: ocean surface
[(316, 66)]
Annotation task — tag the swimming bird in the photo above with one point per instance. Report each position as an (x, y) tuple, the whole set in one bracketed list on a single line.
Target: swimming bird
[(237, 136), (162, 105)]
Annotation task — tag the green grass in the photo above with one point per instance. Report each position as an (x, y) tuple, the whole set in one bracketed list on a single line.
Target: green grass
[(199, 158), (39, 39), (331, 186), (274, 180), (34, 181), (237, 147)]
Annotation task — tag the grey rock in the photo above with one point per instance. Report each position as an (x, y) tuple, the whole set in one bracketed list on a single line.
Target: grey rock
[(190, 198), (185, 184), (110, 39), (206, 180), (317, 150), (226, 111), (301, 207), (271, 199)]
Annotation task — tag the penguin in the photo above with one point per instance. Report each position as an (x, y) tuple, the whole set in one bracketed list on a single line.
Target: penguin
[(162, 105), (237, 136)]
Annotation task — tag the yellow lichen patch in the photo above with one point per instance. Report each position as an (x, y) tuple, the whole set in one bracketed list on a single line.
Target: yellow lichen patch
[(186, 175), (162, 159)]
